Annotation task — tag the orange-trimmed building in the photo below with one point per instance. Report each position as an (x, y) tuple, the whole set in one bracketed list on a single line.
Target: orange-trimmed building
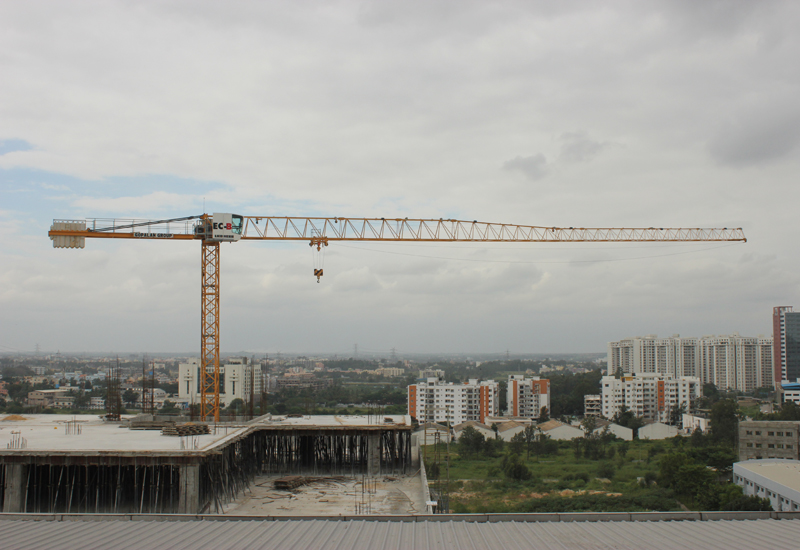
[(527, 396)]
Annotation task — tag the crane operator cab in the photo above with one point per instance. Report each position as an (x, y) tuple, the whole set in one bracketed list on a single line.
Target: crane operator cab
[(221, 228)]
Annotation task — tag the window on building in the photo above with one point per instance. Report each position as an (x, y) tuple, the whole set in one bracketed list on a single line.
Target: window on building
[(770, 433), (758, 433), (749, 432), (749, 444), (788, 446), (758, 445), (788, 434), (779, 434), (771, 446)]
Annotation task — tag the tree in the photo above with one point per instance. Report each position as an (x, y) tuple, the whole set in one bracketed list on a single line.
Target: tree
[(544, 415), (530, 438), (789, 411), (470, 442), (589, 425), (168, 407), (517, 443), (82, 401), (235, 407), (724, 422), (605, 470), (130, 397), (676, 415), (514, 468)]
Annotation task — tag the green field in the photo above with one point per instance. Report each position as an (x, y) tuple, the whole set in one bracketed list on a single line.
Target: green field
[(558, 483)]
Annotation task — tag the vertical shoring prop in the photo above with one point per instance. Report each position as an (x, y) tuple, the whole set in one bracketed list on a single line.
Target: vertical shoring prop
[(209, 328)]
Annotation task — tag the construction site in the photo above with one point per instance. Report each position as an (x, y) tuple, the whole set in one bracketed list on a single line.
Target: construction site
[(272, 465)]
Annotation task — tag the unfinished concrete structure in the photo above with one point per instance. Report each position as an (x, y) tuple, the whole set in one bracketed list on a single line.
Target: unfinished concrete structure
[(52, 465)]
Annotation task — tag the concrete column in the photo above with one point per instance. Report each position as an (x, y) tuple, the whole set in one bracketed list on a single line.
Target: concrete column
[(15, 488), (189, 500), (374, 453)]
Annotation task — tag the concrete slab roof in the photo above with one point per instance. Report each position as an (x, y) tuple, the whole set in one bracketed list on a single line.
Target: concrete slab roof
[(785, 472), (47, 433)]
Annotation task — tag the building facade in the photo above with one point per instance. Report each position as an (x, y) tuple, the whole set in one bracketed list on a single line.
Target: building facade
[(768, 439), (651, 396), (527, 396), (729, 362), (592, 405), (786, 342), (238, 380), (771, 479), (437, 401)]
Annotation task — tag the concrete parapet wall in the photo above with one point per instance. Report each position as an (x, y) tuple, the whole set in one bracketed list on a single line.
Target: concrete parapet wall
[(473, 518)]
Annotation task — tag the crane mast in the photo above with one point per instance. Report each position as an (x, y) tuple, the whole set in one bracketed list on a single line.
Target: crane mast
[(212, 230)]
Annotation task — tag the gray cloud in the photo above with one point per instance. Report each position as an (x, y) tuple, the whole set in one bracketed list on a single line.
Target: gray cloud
[(400, 108), (577, 147), (756, 139), (533, 167)]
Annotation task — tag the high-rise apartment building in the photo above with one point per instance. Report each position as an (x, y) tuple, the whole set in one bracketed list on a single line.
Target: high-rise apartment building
[(786, 342), (527, 396), (650, 395), (675, 356), (436, 401), (729, 362), (238, 380)]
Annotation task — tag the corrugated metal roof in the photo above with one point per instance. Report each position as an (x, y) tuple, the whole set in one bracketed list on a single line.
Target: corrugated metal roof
[(375, 535)]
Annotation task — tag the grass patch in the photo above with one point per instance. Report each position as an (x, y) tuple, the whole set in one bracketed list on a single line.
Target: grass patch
[(559, 483)]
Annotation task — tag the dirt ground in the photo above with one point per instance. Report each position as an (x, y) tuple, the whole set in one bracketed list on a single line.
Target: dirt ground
[(333, 496)]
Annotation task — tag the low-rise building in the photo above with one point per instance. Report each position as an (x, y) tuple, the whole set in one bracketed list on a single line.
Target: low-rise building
[(657, 430), (621, 432), (431, 433), (63, 401), (483, 429), (507, 430), (560, 431), (46, 398), (777, 480), (696, 421), (761, 439)]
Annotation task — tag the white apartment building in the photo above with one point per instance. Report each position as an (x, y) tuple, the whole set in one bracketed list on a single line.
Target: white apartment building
[(729, 362), (648, 395), (436, 401), (675, 356), (238, 380), (527, 396)]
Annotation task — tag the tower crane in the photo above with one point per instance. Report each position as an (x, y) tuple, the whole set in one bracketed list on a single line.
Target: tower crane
[(213, 229)]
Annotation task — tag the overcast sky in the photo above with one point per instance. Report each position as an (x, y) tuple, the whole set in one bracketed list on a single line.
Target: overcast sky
[(665, 114)]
